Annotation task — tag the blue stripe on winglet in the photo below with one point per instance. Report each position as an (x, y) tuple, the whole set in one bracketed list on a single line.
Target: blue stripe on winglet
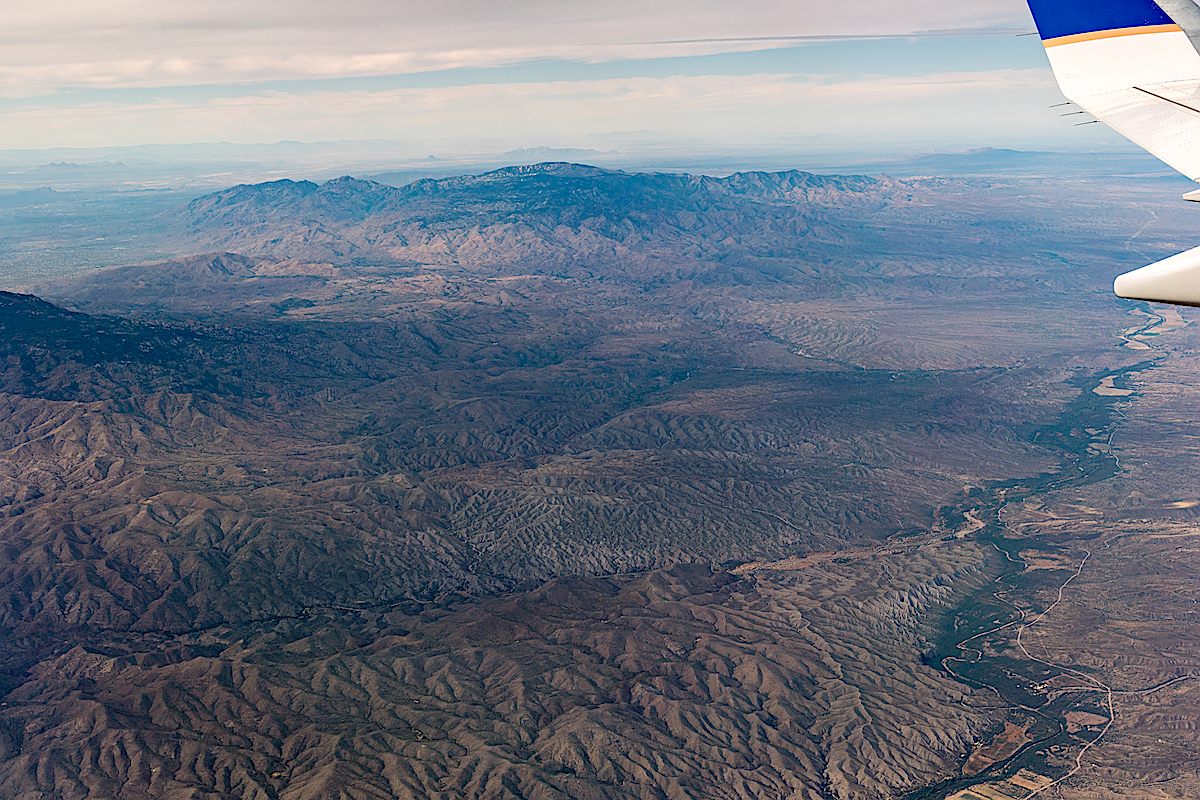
[(1056, 18)]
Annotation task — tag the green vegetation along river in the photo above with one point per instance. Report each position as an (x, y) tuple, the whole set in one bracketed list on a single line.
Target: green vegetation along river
[(962, 643)]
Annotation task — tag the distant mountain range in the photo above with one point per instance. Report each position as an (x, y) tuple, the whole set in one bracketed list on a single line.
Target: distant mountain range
[(991, 161), (545, 216), (836, 234)]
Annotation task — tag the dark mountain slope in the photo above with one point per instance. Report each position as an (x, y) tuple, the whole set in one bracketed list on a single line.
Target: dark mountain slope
[(52, 352)]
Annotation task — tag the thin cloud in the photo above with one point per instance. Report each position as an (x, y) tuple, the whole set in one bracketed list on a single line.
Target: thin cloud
[(75, 72), (801, 38), (67, 43)]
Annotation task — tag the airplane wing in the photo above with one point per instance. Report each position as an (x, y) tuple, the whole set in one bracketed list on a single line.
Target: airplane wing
[(1135, 66)]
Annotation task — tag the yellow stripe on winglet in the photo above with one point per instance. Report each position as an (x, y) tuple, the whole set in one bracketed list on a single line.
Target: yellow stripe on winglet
[(1113, 34)]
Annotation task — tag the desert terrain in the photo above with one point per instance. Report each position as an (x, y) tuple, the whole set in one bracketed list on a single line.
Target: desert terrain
[(561, 482)]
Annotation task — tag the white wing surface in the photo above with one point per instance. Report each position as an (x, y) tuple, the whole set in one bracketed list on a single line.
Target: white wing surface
[(1134, 65)]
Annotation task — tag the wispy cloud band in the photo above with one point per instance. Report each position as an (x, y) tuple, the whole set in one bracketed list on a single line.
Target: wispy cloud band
[(75, 72)]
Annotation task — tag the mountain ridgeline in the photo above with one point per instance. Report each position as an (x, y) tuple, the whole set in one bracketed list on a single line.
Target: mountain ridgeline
[(541, 217)]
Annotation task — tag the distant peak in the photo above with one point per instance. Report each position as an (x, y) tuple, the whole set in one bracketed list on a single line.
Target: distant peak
[(562, 168), (281, 183), (350, 182), (284, 187)]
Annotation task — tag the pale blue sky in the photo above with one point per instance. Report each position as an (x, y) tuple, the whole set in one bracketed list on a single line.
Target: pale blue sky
[(468, 75)]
